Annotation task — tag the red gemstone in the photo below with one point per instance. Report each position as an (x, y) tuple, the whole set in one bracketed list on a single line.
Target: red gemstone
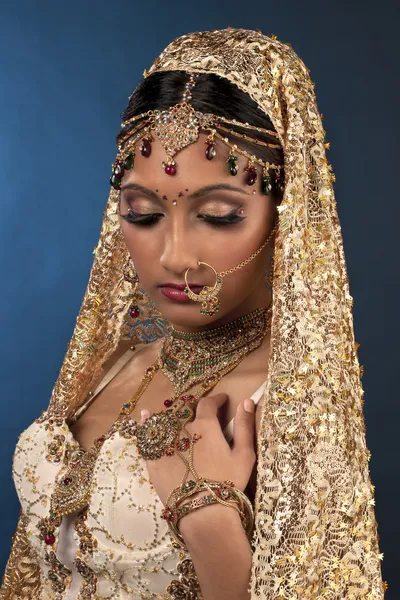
[(168, 403), (168, 514), (118, 168), (251, 176), (183, 444), (187, 398), (145, 150), (211, 151), (134, 313), (67, 480), (170, 169), (49, 539)]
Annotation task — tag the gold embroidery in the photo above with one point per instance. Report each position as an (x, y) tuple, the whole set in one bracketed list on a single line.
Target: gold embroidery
[(315, 530), (187, 586), (21, 580)]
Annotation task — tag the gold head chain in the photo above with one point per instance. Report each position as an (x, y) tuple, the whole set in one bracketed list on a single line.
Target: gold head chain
[(177, 128), (180, 126)]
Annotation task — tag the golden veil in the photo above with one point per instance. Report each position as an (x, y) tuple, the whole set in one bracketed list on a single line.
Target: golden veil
[(315, 531)]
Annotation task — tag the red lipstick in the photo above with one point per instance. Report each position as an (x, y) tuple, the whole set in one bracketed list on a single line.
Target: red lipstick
[(174, 291)]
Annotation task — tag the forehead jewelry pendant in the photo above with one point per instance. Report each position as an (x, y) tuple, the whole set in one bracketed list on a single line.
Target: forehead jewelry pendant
[(181, 125), (176, 129), (251, 173), (118, 169)]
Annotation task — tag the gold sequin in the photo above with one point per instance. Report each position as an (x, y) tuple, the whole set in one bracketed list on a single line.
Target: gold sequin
[(315, 530)]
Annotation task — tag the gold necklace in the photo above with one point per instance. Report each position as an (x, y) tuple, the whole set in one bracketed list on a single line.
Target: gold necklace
[(207, 357), (186, 358), (159, 435)]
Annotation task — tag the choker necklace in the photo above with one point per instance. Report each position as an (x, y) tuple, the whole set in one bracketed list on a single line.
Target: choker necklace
[(187, 358)]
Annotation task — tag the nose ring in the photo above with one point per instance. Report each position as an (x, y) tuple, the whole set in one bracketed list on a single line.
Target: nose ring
[(208, 296)]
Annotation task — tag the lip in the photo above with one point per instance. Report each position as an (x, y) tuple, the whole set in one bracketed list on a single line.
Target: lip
[(180, 286), (175, 292)]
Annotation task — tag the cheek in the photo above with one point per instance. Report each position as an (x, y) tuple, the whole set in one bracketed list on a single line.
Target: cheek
[(143, 249), (137, 239), (245, 279)]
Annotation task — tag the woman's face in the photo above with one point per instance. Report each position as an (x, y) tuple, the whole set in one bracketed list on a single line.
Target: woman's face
[(202, 213)]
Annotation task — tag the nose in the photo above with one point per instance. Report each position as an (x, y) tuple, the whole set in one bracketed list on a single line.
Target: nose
[(179, 253)]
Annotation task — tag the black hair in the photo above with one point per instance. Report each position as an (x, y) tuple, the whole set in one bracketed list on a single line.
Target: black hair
[(211, 93)]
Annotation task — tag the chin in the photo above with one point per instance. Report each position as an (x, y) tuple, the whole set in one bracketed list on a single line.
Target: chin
[(189, 317)]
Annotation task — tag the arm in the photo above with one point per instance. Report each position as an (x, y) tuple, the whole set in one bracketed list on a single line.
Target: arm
[(220, 551), (217, 544)]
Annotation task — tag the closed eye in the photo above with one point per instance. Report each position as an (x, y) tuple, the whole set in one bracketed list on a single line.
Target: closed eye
[(229, 219), (141, 219), (148, 219)]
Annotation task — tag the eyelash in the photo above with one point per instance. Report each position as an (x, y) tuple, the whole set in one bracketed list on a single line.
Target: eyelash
[(149, 219)]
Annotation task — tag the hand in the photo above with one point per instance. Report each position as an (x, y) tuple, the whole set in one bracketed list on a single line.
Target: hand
[(212, 456)]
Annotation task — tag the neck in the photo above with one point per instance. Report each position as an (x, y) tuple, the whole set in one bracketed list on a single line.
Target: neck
[(187, 358)]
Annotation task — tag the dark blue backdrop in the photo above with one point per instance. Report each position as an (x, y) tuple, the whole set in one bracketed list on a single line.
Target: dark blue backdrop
[(67, 70)]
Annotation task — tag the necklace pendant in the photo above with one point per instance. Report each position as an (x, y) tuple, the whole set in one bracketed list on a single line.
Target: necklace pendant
[(72, 490), (157, 435)]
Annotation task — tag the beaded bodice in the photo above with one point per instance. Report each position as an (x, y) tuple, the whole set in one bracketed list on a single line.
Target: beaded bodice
[(118, 546), (122, 544)]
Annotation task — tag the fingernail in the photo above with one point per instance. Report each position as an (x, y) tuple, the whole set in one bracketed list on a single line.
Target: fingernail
[(249, 405), (143, 413)]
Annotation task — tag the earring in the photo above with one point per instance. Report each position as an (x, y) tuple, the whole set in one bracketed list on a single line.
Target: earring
[(208, 295), (130, 275)]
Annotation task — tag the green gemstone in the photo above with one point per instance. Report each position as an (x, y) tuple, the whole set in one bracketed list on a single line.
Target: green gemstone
[(188, 486), (182, 414), (115, 181), (168, 411), (129, 160), (231, 160), (266, 184)]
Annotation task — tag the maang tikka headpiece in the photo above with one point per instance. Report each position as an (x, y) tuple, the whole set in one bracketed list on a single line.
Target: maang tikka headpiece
[(180, 126)]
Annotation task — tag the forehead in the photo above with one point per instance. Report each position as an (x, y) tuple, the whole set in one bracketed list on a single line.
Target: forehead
[(194, 170)]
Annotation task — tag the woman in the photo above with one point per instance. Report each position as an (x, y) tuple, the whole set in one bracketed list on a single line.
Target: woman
[(133, 484)]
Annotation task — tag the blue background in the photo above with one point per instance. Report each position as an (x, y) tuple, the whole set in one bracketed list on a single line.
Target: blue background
[(67, 70)]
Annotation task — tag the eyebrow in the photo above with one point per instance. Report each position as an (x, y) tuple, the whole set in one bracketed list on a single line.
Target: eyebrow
[(208, 189)]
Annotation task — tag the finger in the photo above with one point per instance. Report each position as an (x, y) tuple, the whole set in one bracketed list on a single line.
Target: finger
[(208, 406), (144, 414), (244, 427)]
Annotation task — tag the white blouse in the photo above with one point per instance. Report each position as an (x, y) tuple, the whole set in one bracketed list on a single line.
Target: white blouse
[(119, 547)]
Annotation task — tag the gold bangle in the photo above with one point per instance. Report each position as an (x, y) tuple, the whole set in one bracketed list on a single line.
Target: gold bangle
[(221, 492)]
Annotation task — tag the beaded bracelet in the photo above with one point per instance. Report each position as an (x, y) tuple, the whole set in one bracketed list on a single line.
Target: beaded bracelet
[(223, 493)]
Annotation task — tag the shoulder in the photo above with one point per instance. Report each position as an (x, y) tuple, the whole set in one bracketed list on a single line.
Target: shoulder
[(139, 356), (139, 352)]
